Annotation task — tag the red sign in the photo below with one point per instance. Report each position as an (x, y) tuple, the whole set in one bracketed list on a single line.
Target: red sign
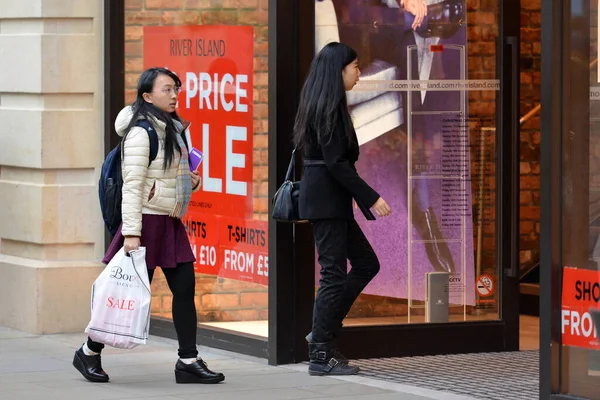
[(230, 247), (580, 292), (203, 232), (215, 65), (244, 250), (485, 286)]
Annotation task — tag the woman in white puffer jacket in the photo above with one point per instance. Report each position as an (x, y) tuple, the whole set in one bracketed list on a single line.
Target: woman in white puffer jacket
[(156, 196)]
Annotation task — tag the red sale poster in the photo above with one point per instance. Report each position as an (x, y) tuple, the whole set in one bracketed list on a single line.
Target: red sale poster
[(215, 65), (243, 250), (580, 293)]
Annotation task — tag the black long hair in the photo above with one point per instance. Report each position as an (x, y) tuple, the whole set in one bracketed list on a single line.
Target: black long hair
[(323, 97), (141, 108)]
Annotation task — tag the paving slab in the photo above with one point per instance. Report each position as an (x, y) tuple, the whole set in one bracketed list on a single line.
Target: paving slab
[(39, 366)]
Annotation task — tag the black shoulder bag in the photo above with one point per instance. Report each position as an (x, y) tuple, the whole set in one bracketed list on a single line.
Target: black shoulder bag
[(285, 200)]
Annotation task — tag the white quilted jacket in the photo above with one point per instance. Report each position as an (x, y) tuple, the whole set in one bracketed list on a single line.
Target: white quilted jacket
[(139, 178)]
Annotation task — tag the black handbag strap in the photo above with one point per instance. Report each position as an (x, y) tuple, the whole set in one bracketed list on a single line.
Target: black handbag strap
[(290, 170)]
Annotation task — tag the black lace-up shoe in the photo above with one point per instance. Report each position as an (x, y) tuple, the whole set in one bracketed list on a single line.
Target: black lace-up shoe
[(196, 372)]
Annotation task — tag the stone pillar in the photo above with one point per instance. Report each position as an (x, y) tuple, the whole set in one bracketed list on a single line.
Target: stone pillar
[(51, 148)]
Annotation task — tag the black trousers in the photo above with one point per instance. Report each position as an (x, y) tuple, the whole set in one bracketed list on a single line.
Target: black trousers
[(182, 282), (337, 241)]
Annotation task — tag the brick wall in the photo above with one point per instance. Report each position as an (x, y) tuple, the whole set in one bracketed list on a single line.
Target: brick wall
[(531, 47), (482, 33), (217, 299)]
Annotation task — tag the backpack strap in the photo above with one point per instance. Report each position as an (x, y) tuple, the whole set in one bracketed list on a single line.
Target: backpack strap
[(144, 123)]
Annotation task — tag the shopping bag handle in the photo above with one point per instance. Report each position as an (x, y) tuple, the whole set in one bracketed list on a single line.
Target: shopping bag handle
[(127, 254)]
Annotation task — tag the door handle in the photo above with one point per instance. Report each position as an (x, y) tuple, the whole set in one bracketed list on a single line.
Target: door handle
[(513, 134), (513, 43)]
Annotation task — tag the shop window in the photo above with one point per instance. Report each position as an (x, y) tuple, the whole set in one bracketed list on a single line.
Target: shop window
[(219, 50), (430, 152)]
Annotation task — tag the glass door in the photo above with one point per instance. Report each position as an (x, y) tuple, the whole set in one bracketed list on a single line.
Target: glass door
[(436, 114), (570, 351)]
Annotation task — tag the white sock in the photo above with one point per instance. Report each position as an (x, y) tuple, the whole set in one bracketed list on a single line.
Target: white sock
[(87, 351), (188, 360)]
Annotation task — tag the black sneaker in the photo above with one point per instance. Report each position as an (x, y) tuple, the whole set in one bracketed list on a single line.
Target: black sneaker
[(89, 366), (196, 372)]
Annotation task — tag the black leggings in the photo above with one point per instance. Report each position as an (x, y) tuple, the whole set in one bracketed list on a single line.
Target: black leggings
[(182, 282)]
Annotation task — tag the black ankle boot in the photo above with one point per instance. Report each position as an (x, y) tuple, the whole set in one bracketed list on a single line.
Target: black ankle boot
[(323, 362), (90, 366), (196, 372), (335, 350)]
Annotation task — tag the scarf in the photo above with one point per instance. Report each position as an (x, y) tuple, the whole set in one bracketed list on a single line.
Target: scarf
[(183, 191)]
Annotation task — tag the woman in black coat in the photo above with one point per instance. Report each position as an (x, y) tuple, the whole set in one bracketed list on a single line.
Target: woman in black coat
[(324, 133)]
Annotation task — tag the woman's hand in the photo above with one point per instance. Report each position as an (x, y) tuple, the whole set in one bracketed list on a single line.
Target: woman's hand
[(131, 243), (381, 208), (418, 8), (196, 180)]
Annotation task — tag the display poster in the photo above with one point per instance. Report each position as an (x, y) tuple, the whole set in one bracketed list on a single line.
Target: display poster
[(410, 114), (215, 65), (580, 293)]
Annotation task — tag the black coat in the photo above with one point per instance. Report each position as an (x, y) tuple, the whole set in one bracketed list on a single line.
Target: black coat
[(327, 190)]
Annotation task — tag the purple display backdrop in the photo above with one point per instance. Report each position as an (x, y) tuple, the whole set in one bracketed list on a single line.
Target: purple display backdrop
[(380, 120)]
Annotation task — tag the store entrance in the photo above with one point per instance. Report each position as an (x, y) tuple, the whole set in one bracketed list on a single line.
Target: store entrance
[(436, 113), (437, 116)]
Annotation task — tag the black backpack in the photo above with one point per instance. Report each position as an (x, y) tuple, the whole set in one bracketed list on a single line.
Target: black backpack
[(111, 180)]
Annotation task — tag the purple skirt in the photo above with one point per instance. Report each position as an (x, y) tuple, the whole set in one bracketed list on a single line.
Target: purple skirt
[(165, 239)]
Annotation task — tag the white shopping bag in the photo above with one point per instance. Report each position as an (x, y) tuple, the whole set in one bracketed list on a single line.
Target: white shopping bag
[(121, 302)]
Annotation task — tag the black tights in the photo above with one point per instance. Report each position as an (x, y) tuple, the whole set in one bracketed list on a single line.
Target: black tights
[(182, 282)]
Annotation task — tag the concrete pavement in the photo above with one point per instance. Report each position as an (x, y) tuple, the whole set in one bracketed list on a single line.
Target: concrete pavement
[(35, 367)]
